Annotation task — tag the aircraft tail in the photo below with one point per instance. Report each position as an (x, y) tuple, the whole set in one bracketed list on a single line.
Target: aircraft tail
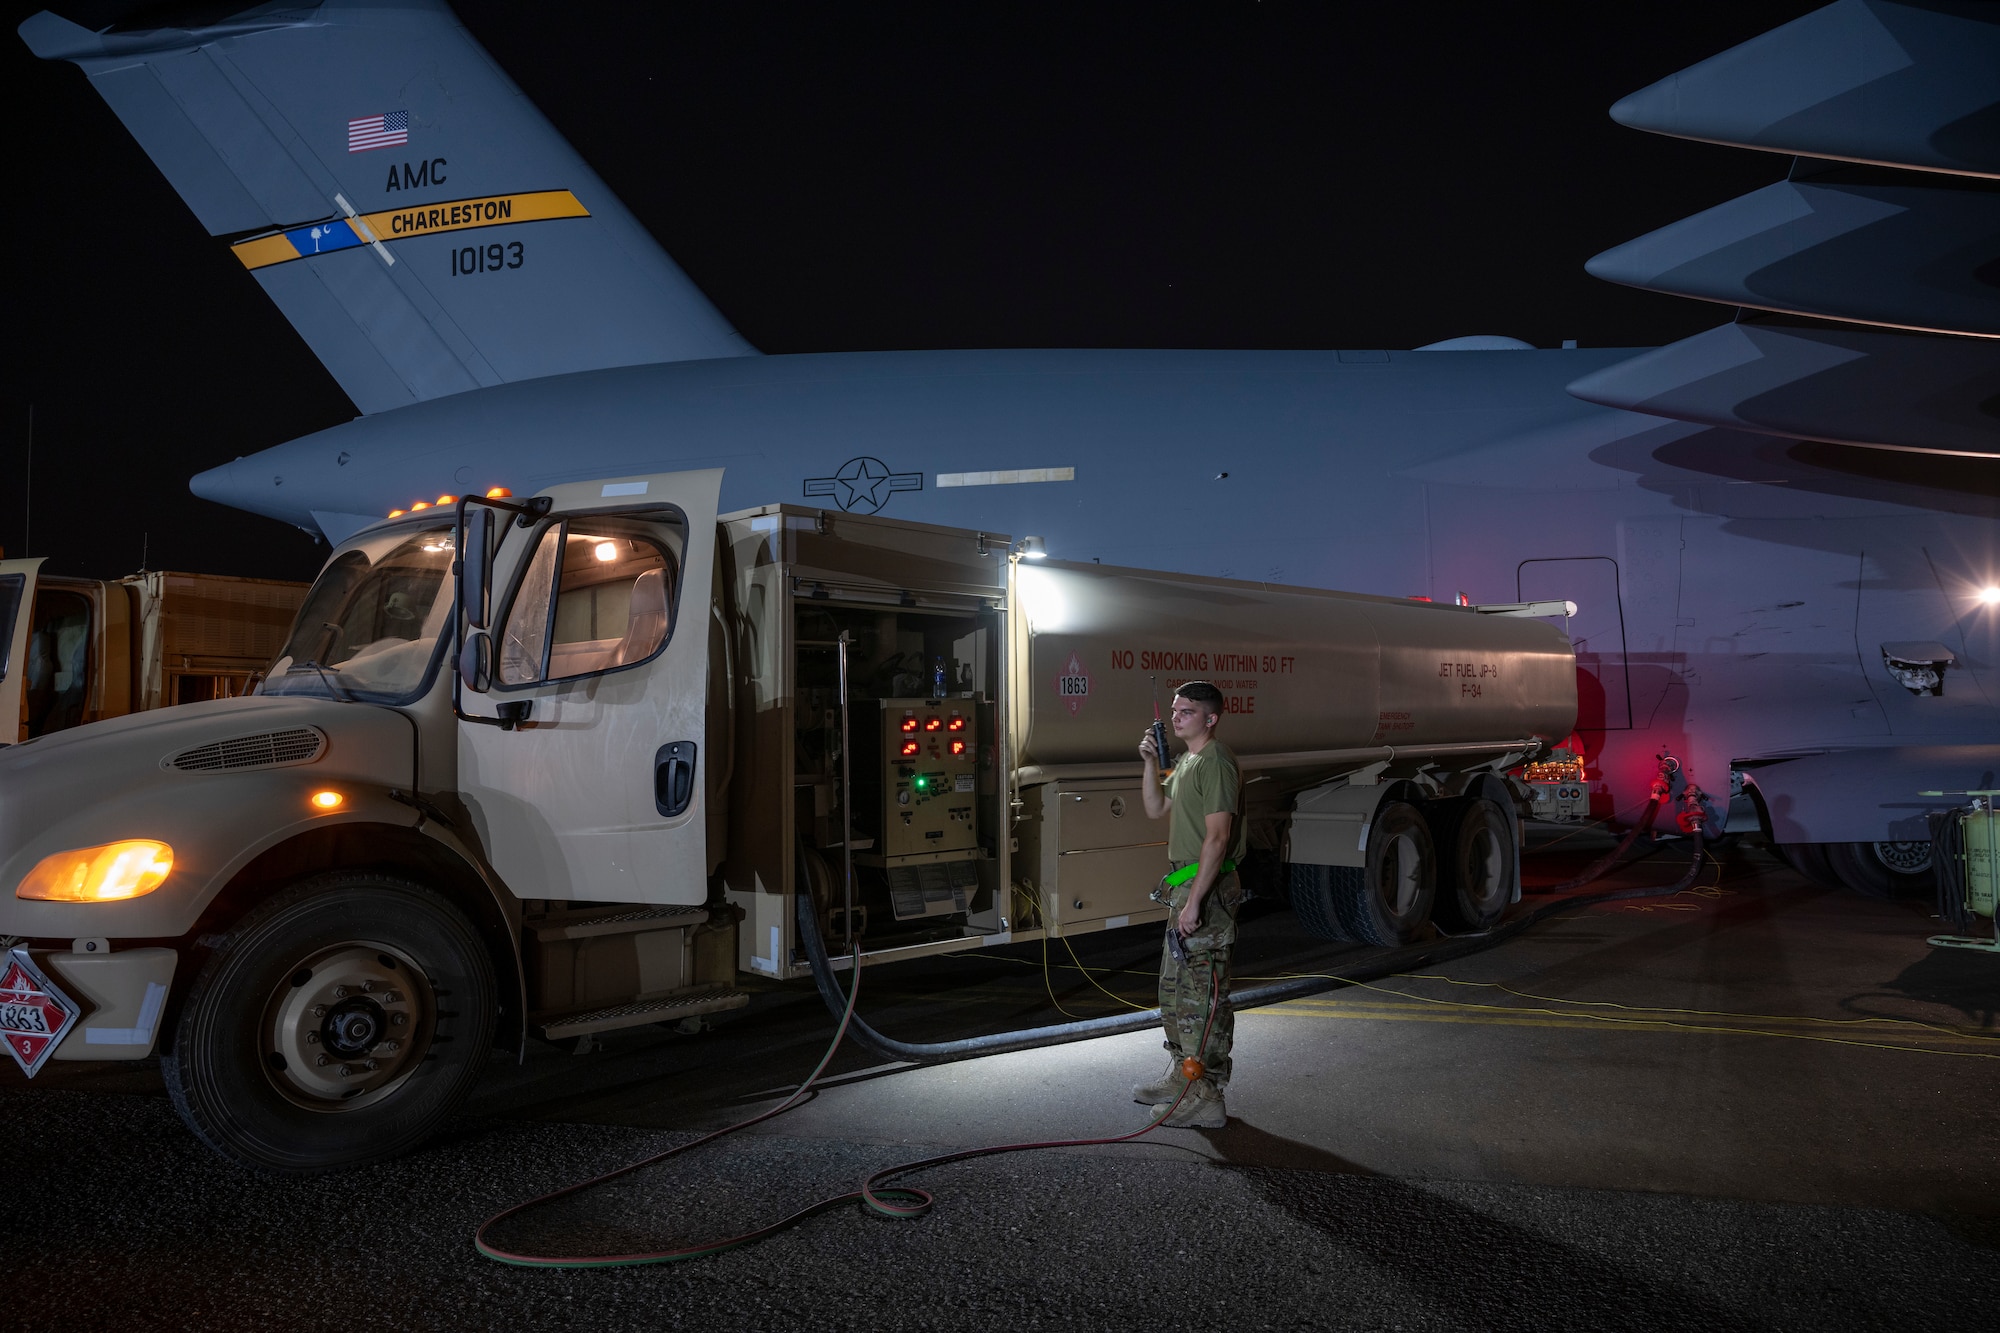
[(422, 225)]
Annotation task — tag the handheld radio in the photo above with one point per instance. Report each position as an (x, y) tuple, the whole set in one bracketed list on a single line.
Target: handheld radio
[(1160, 732)]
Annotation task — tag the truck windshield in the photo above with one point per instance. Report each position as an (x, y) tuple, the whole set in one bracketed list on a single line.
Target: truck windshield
[(369, 627)]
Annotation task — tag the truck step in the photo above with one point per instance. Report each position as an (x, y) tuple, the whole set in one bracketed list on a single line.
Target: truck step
[(614, 921), (638, 1013)]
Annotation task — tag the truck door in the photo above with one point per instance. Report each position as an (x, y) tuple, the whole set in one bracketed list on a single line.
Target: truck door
[(600, 626), (17, 596)]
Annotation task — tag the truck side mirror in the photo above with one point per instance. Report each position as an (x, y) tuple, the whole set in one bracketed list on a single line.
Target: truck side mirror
[(475, 565), (475, 662)]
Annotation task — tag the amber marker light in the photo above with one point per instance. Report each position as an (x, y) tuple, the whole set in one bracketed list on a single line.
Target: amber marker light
[(328, 800), (419, 504), (116, 870), (447, 499), (397, 513), (499, 493)]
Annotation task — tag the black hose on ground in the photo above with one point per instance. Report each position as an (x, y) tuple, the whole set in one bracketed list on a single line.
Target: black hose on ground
[(1603, 864), (1381, 965)]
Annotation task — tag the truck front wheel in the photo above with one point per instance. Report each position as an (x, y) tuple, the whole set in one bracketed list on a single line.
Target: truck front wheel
[(339, 1023)]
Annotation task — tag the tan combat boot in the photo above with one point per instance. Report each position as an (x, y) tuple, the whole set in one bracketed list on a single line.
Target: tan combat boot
[(1202, 1108), (1164, 1088)]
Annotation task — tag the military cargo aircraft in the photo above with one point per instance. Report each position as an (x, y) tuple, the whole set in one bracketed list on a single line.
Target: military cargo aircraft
[(1780, 536)]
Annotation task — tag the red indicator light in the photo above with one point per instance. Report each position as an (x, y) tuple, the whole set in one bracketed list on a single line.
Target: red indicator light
[(932, 724), (958, 747), (909, 724), (957, 723), (910, 748)]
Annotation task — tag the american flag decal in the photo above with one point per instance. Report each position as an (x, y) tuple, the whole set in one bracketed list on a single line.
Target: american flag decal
[(384, 131)]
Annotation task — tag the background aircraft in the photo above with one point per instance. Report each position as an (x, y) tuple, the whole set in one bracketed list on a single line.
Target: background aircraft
[(501, 319)]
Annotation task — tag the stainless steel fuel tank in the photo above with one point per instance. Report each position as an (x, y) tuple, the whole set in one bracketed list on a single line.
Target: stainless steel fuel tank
[(1302, 669)]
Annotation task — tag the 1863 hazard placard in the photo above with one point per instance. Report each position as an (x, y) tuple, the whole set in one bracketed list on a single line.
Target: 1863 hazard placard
[(34, 1013)]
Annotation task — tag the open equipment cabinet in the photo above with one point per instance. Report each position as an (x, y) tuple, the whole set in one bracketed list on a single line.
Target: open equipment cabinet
[(900, 803)]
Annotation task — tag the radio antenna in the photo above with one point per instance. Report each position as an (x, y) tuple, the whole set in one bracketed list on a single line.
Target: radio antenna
[(1159, 729)]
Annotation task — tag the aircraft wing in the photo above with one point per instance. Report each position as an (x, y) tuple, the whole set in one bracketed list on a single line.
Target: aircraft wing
[(1872, 387), (1902, 85), (422, 225)]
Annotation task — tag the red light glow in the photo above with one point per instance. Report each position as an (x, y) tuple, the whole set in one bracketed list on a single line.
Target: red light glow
[(910, 748), (909, 724), (933, 724), (958, 747)]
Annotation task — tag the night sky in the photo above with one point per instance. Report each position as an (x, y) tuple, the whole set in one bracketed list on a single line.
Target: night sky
[(855, 177)]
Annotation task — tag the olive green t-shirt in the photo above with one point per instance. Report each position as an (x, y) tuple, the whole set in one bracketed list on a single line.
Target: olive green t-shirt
[(1201, 785)]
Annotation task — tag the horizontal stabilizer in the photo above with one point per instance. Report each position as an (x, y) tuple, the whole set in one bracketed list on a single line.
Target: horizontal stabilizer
[(1859, 386), (1908, 85), (418, 221), (1913, 252)]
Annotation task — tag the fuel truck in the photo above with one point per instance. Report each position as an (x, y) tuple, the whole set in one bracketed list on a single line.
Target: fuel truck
[(76, 650), (552, 767)]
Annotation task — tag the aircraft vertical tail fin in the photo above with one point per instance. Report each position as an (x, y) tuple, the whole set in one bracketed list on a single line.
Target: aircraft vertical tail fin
[(422, 225)]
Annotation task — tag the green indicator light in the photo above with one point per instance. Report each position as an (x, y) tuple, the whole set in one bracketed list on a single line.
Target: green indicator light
[(922, 783)]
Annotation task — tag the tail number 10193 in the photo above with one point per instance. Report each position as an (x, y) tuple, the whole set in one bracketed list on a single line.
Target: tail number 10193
[(470, 259)]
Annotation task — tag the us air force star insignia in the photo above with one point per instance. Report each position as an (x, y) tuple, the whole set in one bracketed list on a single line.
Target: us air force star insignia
[(863, 485)]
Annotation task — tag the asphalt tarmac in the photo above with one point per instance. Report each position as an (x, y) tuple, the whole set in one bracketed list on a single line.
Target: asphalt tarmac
[(1758, 1104)]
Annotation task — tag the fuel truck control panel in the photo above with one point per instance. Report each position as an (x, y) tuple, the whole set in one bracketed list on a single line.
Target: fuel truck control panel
[(923, 754)]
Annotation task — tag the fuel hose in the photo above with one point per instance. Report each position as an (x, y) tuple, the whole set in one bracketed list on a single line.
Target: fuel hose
[(875, 1193), (906, 1201)]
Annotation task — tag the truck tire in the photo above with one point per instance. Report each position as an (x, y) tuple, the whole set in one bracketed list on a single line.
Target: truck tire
[(1882, 869), (1478, 862), (1314, 890), (1399, 883), (1385, 902), (339, 1023)]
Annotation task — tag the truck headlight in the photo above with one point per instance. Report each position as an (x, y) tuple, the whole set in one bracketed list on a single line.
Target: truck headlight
[(100, 874)]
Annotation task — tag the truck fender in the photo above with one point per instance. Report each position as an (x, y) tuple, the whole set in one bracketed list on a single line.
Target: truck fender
[(428, 851), (1330, 824)]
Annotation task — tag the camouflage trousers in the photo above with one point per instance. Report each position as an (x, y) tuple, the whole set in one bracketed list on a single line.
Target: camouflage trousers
[(1190, 991)]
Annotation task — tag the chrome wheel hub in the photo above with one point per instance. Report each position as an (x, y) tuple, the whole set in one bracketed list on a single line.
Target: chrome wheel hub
[(347, 1026)]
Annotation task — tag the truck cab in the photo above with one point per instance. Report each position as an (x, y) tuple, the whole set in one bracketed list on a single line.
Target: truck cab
[(63, 658), (321, 902), (77, 650)]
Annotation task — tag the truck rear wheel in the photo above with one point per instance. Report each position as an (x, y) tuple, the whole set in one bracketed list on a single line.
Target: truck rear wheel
[(1313, 891), (1478, 863), (1388, 900), (340, 1023)]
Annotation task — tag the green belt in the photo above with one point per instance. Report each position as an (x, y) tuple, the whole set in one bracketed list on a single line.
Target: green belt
[(1176, 878)]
